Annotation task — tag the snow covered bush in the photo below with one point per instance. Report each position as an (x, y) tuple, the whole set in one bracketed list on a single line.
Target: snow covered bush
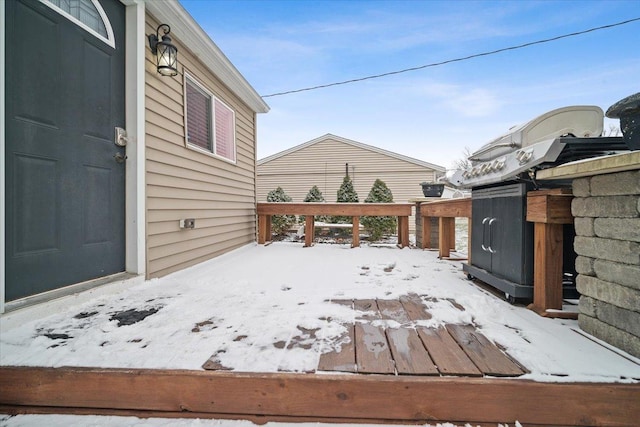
[(315, 195), (376, 226), (346, 194), (280, 224)]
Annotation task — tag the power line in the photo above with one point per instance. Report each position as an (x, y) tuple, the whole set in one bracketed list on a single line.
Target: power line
[(449, 61)]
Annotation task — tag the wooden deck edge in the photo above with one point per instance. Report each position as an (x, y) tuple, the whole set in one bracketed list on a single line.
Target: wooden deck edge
[(255, 419), (334, 398)]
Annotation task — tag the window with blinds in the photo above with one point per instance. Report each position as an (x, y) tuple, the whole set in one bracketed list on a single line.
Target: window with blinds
[(225, 145), (210, 123)]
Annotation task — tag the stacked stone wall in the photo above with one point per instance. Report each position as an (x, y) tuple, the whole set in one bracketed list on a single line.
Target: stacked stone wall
[(607, 223)]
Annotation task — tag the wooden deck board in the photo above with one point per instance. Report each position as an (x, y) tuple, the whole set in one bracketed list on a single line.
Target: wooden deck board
[(410, 349), (373, 355), (484, 354), (446, 353), (213, 364), (409, 354), (393, 310), (414, 307), (343, 360), (400, 346)]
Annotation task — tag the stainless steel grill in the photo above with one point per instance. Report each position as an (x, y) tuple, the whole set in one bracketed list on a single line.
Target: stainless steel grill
[(501, 173), (559, 136)]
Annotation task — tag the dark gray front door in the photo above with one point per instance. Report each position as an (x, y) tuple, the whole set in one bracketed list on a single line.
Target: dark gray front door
[(64, 188)]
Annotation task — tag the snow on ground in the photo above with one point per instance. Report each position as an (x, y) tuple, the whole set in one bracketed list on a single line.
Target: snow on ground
[(240, 304)]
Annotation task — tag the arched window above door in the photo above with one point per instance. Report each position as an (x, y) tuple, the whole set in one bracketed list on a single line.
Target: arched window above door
[(87, 14)]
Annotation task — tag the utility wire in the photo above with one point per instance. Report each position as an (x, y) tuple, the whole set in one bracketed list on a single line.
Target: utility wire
[(464, 58)]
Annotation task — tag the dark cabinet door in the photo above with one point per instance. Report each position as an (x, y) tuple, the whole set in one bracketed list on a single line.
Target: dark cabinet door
[(482, 214), (507, 238), (501, 238)]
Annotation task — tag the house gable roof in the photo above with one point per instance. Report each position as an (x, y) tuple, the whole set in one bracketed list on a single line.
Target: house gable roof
[(189, 32), (355, 144)]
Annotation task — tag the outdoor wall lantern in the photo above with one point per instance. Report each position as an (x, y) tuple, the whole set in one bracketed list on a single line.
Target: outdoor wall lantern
[(166, 53)]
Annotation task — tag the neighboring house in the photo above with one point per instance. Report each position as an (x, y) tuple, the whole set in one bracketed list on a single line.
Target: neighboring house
[(323, 162), (77, 209)]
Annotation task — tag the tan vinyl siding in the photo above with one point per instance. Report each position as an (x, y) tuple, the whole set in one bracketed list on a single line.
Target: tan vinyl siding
[(184, 183), (323, 164)]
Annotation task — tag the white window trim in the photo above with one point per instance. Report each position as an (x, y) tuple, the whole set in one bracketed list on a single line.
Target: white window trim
[(195, 147), (110, 40)]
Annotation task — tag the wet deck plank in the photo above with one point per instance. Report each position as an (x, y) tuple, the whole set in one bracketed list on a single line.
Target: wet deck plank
[(414, 307), (373, 355), (343, 360), (409, 354), (386, 338), (446, 353), (484, 354), (393, 310)]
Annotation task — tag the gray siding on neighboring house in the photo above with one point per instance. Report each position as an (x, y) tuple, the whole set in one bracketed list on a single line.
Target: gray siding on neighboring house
[(322, 162), (184, 183)]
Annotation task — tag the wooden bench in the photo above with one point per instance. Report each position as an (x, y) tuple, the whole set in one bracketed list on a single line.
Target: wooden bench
[(355, 210), (446, 211)]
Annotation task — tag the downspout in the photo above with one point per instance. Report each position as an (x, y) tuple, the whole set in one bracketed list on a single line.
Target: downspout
[(255, 174)]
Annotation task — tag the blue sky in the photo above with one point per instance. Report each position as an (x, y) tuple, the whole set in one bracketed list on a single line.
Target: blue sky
[(434, 113)]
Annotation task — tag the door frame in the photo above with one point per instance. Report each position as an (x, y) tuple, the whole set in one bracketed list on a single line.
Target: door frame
[(135, 225)]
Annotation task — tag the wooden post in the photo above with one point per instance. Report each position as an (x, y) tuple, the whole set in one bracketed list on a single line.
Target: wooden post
[(444, 238), (549, 210), (264, 229), (355, 232), (547, 259), (426, 232), (452, 235), (309, 230), (403, 231), (261, 221)]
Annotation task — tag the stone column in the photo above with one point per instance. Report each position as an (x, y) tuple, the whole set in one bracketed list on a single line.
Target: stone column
[(434, 223)]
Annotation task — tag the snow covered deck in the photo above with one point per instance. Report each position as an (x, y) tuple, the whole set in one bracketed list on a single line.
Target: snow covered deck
[(270, 315), (387, 337)]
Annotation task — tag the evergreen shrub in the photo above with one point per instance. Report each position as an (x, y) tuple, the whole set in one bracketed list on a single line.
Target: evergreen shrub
[(315, 195), (346, 194), (377, 226), (280, 224)]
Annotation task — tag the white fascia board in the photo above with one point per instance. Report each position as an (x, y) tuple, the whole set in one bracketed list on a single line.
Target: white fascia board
[(189, 32), (135, 196)]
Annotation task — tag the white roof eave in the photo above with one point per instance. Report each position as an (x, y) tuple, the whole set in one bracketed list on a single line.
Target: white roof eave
[(189, 32), (428, 165)]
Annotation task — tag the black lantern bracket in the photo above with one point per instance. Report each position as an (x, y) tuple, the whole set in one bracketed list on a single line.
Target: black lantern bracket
[(166, 53)]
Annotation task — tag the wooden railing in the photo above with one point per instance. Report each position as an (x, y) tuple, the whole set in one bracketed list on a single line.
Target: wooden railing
[(446, 211), (354, 210)]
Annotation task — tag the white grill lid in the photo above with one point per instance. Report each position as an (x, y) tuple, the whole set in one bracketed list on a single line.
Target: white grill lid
[(579, 120)]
